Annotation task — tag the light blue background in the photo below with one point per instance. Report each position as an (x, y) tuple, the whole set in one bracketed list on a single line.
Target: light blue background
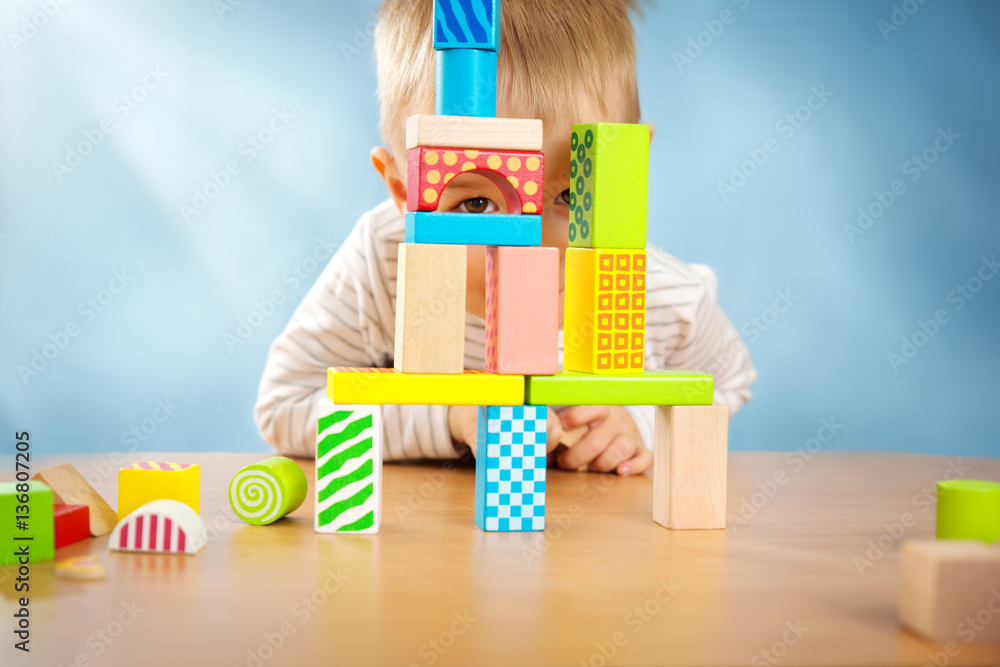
[(162, 336)]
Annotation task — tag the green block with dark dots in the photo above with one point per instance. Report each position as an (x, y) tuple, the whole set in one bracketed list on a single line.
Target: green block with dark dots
[(40, 526), (609, 185)]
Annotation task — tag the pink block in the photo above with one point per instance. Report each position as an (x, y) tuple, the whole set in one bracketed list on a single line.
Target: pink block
[(522, 310)]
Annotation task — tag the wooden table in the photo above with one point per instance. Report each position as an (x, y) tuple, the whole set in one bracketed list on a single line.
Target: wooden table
[(602, 580)]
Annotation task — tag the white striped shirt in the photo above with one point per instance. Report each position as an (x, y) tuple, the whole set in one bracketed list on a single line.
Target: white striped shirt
[(348, 319)]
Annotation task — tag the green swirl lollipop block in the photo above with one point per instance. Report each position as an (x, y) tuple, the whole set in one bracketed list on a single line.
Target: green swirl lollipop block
[(968, 509), (263, 492)]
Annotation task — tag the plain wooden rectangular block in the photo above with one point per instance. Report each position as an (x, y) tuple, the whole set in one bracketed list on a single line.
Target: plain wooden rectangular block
[(430, 308), (522, 310), (689, 466), (950, 590), (70, 488), (510, 134)]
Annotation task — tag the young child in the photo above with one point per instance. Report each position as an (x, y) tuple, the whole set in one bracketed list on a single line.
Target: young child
[(565, 63)]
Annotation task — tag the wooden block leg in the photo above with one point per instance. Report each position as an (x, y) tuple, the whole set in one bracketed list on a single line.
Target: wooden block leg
[(348, 468), (510, 467), (689, 466), (950, 590), (522, 310), (430, 308)]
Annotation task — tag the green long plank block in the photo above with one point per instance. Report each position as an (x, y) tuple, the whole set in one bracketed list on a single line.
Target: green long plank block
[(650, 388)]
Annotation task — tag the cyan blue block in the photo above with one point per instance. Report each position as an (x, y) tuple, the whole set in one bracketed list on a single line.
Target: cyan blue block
[(511, 455), (466, 83), (467, 24), (473, 228)]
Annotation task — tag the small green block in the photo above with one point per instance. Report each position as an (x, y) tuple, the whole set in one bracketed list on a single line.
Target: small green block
[(968, 509), (609, 185), (40, 524), (650, 388)]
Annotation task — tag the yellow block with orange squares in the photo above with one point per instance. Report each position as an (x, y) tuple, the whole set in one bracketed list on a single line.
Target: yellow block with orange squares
[(147, 481), (605, 315)]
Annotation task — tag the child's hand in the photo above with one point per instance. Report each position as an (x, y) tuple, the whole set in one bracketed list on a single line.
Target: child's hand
[(462, 422), (613, 442)]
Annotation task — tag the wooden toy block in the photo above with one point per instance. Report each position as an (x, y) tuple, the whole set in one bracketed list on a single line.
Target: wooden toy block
[(70, 488), (949, 590), (430, 308), (80, 567), (605, 311), (609, 171), (71, 523), (689, 466), (473, 228), (467, 24), (510, 467), (348, 468), (161, 526), (263, 492), (376, 386), (143, 482), (649, 388), (968, 509), (466, 83), (26, 524), (502, 134), (522, 310), (519, 176)]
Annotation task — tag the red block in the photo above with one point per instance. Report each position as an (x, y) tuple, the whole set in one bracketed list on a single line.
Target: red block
[(519, 175), (522, 310), (72, 524)]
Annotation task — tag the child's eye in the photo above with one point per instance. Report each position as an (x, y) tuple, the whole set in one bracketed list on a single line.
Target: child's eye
[(563, 197), (477, 205)]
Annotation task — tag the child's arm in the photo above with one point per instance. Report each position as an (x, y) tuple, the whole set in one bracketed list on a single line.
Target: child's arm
[(346, 319)]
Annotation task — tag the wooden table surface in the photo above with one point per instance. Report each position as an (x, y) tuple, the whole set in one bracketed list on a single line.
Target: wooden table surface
[(800, 574)]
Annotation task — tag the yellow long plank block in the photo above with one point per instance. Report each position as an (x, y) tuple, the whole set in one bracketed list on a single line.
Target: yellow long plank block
[(369, 386)]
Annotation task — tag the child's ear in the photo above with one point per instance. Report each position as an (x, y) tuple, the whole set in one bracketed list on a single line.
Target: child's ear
[(385, 165), (652, 131)]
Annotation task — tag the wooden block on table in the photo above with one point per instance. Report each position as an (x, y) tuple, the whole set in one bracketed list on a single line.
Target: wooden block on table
[(467, 24), (968, 509), (510, 134), (690, 465), (648, 388), (511, 457), (36, 524), (146, 481), (160, 526), (519, 175), (948, 588), (376, 386), (466, 83), (473, 228), (522, 310), (263, 492), (609, 172), (430, 308), (70, 488), (71, 523), (605, 311), (348, 468)]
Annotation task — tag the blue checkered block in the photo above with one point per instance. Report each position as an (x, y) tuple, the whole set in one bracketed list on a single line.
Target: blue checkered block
[(510, 467)]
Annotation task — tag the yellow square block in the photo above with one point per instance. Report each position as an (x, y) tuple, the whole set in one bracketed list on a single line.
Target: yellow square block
[(605, 316), (146, 481)]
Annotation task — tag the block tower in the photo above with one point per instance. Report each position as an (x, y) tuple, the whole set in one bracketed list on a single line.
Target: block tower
[(498, 162)]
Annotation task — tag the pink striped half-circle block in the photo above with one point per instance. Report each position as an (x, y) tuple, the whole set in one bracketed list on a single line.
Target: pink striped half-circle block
[(160, 526)]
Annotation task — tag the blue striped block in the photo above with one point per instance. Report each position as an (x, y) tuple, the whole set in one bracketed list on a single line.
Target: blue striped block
[(511, 456), (466, 83), (467, 24), (473, 228)]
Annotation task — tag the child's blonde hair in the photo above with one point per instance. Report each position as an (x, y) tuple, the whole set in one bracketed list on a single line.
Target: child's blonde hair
[(552, 52)]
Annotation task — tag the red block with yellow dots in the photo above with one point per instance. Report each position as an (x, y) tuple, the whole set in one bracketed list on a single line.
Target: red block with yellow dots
[(517, 174), (147, 481), (605, 316)]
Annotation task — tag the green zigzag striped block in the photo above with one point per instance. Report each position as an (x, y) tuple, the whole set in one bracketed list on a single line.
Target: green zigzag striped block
[(348, 468)]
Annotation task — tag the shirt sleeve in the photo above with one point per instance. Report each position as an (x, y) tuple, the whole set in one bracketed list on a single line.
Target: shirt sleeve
[(346, 319)]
